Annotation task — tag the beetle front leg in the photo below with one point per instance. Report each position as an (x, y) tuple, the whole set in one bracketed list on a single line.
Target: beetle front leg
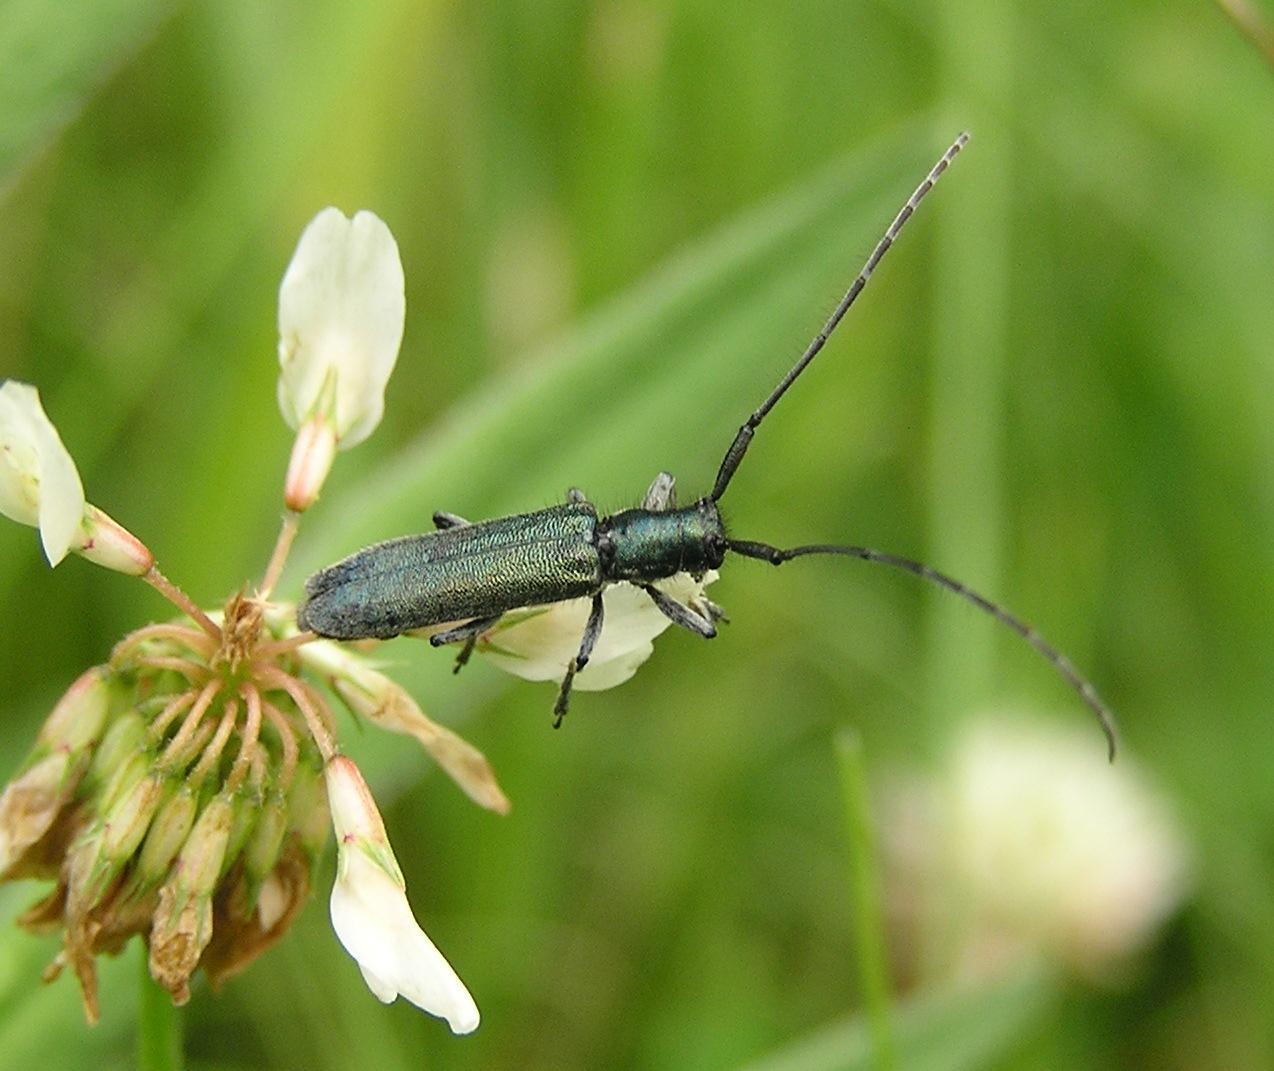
[(592, 630), (681, 615)]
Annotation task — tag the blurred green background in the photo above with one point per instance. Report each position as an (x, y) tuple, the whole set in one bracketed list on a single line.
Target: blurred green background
[(620, 222)]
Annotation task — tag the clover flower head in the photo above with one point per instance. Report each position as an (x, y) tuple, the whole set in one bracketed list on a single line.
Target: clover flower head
[(183, 790)]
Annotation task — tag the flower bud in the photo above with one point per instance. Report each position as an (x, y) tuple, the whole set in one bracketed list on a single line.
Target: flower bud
[(182, 925), (108, 543), (307, 805), (262, 850), (168, 832), (123, 741), (126, 823), (370, 913), (32, 802), (247, 805), (39, 485), (78, 719), (311, 461)]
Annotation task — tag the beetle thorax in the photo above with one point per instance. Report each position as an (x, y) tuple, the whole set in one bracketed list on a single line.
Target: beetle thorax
[(643, 545)]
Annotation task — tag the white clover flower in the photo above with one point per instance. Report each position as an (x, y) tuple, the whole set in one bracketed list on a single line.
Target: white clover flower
[(538, 643), (39, 485), (341, 312), (370, 913), (1030, 845)]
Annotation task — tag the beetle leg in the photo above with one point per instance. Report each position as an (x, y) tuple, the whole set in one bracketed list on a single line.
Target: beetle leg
[(682, 615), (466, 652), (662, 495), (444, 520), (468, 632), (713, 612), (591, 631)]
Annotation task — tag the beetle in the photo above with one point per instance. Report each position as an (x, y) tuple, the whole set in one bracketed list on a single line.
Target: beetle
[(475, 573)]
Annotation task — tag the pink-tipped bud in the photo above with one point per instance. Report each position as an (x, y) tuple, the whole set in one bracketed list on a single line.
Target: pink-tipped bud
[(312, 456), (108, 543), (78, 719)]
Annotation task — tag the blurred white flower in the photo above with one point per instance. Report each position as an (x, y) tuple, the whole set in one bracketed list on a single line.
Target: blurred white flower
[(370, 913), (341, 311), (1028, 843), (39, 485), (538, 643)]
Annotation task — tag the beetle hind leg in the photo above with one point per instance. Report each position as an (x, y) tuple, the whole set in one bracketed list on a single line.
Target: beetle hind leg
[(467, 634), (587, 642)]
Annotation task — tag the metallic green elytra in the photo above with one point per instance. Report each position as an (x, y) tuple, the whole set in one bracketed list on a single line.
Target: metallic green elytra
[(475, 573)]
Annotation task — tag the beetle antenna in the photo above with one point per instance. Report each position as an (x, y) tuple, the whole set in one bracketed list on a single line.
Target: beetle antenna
[(733, 456), (1059, 661)]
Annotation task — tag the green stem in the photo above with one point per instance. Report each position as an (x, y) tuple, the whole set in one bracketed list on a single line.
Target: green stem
[(865, 894), (158, 1025)]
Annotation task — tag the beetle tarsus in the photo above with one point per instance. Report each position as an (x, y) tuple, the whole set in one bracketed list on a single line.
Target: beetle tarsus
[(444, 520), (466, 652), (681, 615)]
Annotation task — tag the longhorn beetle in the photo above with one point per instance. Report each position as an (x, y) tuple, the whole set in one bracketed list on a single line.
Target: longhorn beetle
[(475, 573)]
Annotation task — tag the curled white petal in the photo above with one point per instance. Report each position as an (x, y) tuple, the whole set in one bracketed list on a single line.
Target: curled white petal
[(538, 644), (371, 916), (374, 922), (39, 484), (341, 312)]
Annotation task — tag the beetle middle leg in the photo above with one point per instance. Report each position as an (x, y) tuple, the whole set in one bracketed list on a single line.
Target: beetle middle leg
[(682, 615), (592, 630), (467, 633)]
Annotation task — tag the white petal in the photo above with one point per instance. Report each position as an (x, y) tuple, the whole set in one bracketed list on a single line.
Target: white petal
[(537, 644), (341, 312), (39, 484), (371, 917)]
